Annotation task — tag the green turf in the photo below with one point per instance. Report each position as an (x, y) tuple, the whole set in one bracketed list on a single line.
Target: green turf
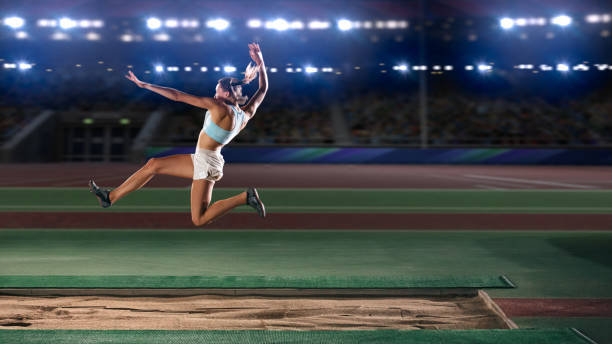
[(239, 282), (325, 200), (543, 336), (598, 329), (540, 263)]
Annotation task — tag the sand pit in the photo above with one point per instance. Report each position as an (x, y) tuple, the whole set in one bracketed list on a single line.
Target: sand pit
[(211, 312)]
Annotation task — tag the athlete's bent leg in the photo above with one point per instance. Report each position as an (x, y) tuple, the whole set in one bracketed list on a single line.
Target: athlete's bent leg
[(179, 165), (201, 194)]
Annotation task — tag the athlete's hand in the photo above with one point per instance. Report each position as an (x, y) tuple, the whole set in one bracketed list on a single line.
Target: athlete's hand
[(130, 76), (255, 53)]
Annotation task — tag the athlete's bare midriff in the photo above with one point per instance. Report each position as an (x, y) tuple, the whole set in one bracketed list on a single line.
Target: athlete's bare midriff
[(225, 120)]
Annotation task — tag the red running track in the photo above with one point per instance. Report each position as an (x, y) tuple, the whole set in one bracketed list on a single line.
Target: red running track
[(327, 176)]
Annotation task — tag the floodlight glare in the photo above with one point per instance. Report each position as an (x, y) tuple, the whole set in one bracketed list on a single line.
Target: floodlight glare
[(172, 23), (24, 66), (562, 20), (67, 23), (278, 24), (254, 23), (14, 22), (563, 67), (229, 69), (484, 67), (344, 24), (21, 35), (159, 68), (218, 24), (506, 23), (310, 70), (203, 69), (154, 23)]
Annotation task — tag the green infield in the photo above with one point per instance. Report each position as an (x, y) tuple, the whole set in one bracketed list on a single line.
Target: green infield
[(254, 282), (539, 336), (541, 264), (325, 200)]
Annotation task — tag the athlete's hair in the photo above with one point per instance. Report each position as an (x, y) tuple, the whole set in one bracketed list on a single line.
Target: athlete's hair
[(234, 86)]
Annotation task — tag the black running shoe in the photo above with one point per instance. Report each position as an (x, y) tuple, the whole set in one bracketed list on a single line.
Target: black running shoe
[(254, 201), (102, 195)]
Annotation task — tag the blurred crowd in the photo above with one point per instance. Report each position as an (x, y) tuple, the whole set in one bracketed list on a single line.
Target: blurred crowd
[(290, 115)]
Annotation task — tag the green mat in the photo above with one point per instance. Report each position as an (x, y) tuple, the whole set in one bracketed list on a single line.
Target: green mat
[(238, 282), (325, 200), (539, 336)]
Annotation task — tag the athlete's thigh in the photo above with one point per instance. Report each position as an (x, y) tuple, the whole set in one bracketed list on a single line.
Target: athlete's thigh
[(201, 194), (179, 165)]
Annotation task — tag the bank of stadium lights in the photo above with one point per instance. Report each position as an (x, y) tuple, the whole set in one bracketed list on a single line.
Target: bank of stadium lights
[(469, 67), (310, 70), (172, 69), (187, 69), (581, 67), (154, 23), (289, 70), (506, 23), (21, 35), (561, 20), (24, 66), (217, 69), (229, 69), (159, 68), (60, 36), (203, 69), (92, 36), (14, 22), (598, 18), (448, 67), (162, 37), (401, 68), (327, 70), (218, 24), (10, 65), (277, 24), (345, 25), (254, 23), (563, 67), (319, 25)]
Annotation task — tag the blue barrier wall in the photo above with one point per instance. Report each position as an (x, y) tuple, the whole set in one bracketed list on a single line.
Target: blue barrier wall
[(497, 156)]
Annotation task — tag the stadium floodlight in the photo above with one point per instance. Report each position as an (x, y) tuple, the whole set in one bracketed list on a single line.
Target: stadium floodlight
[(310, 70), (402, 24), (126, 37), (254, 23), (416, 67), (154, 23), (229, 69), (506, 23), (436, 67), (187, 69), (448, 67), (392, 24), (162, 37), (159, 68), (593, 18), (67, 23), (520, 22), (172, 69), (484, 67), (21, 35), (97, 23), (562, 67), (469, 67), (217, 69), (403, 68), (318, 25), (561, 20), (14, 22), (289, 70), (367, 24), (203, 69), (84, 23), (296, 25), (60, 36), (278, 24), (92, 36), (24, 65), (298, 70), (10, 66), (171, 23), (218, 24), (273, 70), (345, 25)]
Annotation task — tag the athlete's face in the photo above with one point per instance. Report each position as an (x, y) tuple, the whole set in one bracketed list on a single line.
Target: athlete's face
[(220, 93)]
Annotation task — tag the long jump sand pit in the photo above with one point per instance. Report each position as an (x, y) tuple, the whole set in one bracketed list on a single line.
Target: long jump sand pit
[(215, 312)]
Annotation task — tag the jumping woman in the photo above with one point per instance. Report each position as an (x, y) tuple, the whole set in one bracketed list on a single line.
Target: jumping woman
[(224, 120)]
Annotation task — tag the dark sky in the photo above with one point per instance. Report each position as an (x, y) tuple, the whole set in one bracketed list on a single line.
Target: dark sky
[(298, 9)]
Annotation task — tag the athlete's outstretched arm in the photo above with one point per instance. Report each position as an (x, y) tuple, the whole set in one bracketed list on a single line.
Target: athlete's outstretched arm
[(176, 95), (258, 97)]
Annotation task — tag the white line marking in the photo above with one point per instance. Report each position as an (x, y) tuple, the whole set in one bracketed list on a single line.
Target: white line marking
[(488, 187), (530, 181)]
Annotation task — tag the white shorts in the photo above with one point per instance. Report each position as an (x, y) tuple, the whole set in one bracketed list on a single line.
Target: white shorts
[(207, 164)]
